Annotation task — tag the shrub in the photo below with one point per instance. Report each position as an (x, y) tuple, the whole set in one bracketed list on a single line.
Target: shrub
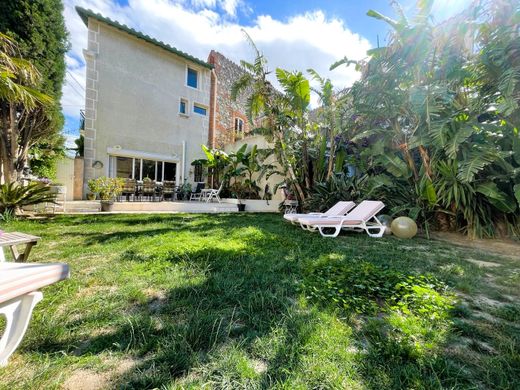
[(14, 196), (107, 188), (368, 289)]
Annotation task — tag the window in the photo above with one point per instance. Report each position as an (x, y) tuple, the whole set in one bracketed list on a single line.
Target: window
[(170, 170), (149, 169), (197, 108), (239, 125), (197, 173), (137, 168), (192, 78), (182, 106), (124, 167)]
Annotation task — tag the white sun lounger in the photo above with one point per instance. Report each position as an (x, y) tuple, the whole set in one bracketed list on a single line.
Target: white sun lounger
[(19, 285), (362, 218), (339, 209)]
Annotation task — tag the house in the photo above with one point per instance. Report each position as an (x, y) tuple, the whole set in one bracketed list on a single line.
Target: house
[(147, 105), (229, 122)]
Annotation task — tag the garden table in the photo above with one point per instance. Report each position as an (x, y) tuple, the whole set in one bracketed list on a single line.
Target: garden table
[(13, 239)]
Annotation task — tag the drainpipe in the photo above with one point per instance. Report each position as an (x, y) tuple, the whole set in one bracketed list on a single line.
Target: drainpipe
[(183, 161)]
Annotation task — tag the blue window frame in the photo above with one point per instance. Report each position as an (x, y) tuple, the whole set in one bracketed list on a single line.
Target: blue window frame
[(192, 78), (199, 109), (182, 107)]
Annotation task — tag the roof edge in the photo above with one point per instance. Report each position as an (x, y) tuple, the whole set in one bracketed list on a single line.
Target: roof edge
[(85, 14)]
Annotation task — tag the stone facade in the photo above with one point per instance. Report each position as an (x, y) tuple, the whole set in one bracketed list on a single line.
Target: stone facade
[(223, 129)]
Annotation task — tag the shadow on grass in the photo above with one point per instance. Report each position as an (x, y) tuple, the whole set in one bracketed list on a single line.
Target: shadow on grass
[(249, 293)]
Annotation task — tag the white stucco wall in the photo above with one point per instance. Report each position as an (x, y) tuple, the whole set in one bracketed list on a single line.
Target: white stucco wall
[(133, 91), (65, 176), (261, 143)]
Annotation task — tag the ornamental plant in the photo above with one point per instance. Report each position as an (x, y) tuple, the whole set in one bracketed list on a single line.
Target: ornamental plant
[(106, 188)]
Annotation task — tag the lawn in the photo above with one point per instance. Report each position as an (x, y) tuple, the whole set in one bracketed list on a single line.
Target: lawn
[(248, 301)]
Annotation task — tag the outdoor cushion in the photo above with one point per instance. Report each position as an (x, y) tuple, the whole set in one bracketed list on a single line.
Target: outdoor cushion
[(17, 279), (338, 209)]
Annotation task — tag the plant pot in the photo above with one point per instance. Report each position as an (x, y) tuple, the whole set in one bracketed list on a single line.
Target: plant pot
[(241, 207), (107, 205)]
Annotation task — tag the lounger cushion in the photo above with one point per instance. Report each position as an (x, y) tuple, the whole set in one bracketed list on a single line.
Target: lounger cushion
[(338, 209), (17, 279), (295, 217)]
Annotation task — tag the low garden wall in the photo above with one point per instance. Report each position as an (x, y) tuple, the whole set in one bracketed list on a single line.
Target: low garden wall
[(256, 206)]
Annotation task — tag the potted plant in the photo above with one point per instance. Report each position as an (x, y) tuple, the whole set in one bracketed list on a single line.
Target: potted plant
[(185, 191), (108, 189)]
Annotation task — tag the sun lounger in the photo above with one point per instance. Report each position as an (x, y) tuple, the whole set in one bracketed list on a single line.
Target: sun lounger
[(361, 218), (339, 209), (19, 285)]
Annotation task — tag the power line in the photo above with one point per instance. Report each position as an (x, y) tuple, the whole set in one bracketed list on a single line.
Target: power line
[(77, 82), (75, 90)]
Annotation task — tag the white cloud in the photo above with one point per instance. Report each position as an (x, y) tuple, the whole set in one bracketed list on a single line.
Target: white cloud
[(204, 3), (230, 6), (310, 40)]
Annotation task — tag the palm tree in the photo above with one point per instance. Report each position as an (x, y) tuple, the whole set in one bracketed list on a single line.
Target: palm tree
[(265, 103), (18, 81)]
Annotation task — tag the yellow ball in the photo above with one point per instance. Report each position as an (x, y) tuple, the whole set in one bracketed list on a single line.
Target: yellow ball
[(404, 227)]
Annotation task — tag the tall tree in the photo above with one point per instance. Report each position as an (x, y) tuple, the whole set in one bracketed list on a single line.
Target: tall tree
[(18, 78), (39, 29)]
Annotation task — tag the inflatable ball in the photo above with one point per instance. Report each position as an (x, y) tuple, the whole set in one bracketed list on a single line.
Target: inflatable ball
[(404, 227)]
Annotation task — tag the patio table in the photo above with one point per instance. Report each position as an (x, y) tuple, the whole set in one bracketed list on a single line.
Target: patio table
[(13, 239), (204, 193)]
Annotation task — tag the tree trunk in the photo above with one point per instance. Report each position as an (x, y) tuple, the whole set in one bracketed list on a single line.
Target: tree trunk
[(330, 168), (290, 170)]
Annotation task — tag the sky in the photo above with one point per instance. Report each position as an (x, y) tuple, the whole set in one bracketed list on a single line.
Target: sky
[(293, 35)]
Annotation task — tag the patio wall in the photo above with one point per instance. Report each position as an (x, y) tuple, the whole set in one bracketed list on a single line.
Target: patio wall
[(261, 143)]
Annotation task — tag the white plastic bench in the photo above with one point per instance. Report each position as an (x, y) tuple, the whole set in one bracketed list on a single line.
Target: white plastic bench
[(19, 285)]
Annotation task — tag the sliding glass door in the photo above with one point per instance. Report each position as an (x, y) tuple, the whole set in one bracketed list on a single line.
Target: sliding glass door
[(138, 168)]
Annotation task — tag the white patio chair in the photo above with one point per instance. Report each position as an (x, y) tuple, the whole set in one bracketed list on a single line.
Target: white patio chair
[(361, 218), (19, 285), (198, 193), (211, 193)]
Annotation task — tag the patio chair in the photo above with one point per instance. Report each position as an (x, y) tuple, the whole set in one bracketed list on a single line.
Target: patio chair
[(168, 189), (361, 218), (197, 194), (212, 193), (149, 187), (129, 189), (19, 285), (339, 209)]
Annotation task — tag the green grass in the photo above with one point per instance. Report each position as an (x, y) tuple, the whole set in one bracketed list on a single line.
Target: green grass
[(248, 301)]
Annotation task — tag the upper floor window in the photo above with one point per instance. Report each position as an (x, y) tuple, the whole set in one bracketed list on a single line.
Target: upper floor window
[(183, 107), (197, 173), (192, 78), (197, 108), (239, 125)]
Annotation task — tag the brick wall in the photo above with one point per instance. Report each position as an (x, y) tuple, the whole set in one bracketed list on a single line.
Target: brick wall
[(226, 110)]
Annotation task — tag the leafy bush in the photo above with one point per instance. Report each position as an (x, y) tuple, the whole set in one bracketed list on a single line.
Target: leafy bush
[(368, 289), (338, 188), (14, 196), (107, 188)]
